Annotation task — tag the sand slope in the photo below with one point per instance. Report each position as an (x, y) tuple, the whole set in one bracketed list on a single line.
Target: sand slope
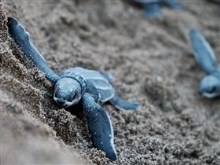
[(151, 61)]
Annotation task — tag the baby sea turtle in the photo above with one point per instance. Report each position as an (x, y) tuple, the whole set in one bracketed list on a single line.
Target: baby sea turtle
[(152, 7), (77, 85), (205, 57)]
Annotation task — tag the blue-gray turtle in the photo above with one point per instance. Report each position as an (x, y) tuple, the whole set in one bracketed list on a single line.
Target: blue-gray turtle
[(77, 85), (152, 7), (205, 57)]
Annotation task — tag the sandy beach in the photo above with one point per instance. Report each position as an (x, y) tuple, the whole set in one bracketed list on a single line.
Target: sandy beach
[(151, 61)]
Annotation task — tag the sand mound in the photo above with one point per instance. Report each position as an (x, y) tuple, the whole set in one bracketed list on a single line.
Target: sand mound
[(151, 61)]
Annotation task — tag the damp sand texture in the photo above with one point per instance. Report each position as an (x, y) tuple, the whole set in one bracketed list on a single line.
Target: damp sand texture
[(151, 61)]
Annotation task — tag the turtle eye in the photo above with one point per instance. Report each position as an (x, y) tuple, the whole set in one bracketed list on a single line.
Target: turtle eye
[(55, 94), (212, 89)]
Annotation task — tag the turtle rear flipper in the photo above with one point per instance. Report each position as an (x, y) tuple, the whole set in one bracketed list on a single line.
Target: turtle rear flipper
[(22, 39), (202, 51), (152, 10), (122, 104), (173, 4), (100, 126)]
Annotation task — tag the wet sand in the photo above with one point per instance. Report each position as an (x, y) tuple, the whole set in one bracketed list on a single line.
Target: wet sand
[(151, 61)]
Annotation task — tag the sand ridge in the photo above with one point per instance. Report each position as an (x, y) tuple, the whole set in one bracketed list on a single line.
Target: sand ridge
[(151, 61)]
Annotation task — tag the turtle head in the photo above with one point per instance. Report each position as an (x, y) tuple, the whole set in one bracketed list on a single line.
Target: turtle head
[(67, 92), (210, 86)]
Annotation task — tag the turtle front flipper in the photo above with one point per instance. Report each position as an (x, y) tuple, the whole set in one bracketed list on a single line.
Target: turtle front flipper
[(202, 51), (22, 39), (122, 104), (100, 127)]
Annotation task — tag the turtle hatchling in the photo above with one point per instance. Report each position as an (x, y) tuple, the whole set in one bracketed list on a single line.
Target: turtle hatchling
[(77, 86), (204, 55), (152, 7)]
